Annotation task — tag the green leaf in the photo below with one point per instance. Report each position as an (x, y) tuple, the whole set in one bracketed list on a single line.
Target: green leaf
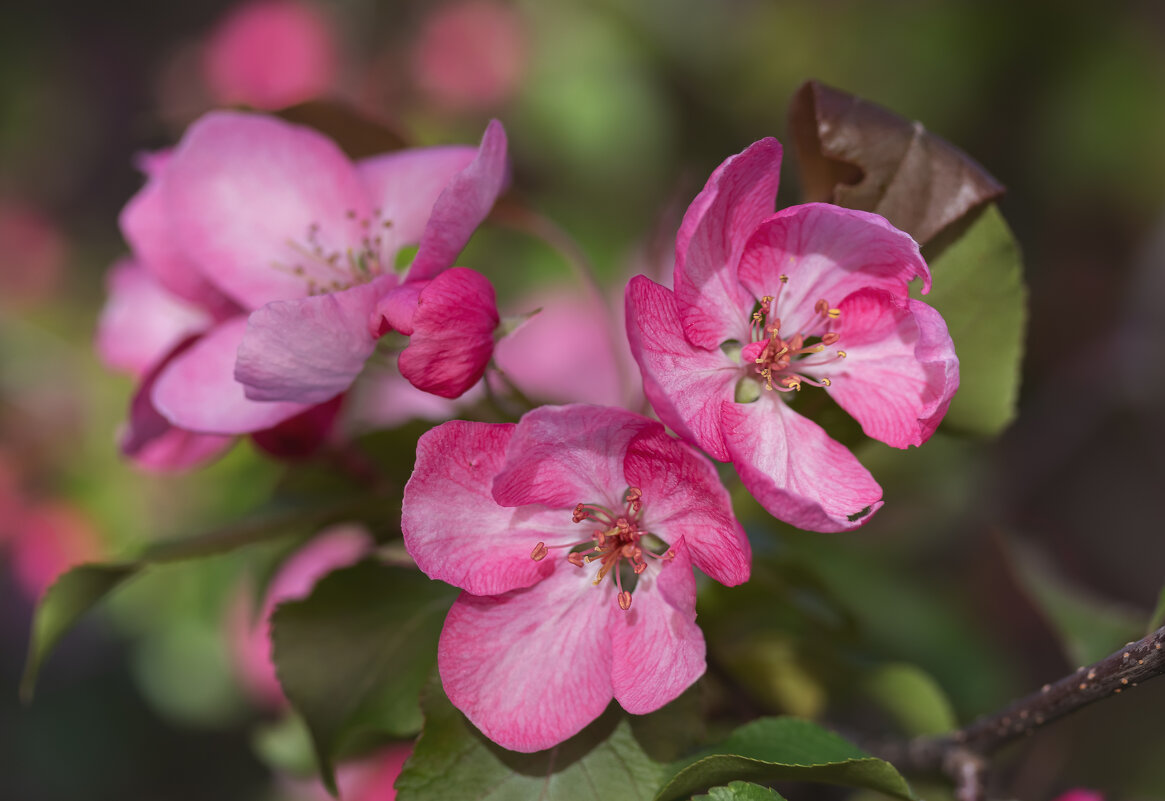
[(1089, 627), (609, 760), (979, 290), (914, 698), (740, 791), (784, 749), (353, 656), (79, 589), (1158, 618)]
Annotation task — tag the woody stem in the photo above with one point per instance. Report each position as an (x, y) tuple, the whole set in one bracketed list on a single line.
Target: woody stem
[(961, 755)]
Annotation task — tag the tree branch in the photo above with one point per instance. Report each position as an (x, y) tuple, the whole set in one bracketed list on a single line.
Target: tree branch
[(961, 755)]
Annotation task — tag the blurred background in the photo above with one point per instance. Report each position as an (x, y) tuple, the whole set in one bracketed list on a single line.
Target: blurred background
[(1010, 557)]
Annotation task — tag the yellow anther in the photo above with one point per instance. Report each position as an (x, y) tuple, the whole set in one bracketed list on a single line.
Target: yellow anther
[(834, 314), (826, 382), (841, 354), (784, 279)]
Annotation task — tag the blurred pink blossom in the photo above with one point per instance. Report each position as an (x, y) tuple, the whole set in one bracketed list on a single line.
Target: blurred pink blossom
[(270, 54), (471, 55), (32, 254), (49, 539), (333, 549)]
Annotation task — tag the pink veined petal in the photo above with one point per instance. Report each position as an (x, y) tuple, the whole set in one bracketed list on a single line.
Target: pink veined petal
[(142, 321), (399, 306), (304, 434), (561, 456), (740, 193), (152, 442), (452, 337), (684, 499), (657, 648), (197, 390), (827, 252), (463, 205), (685, 384), (795, 470), (249, 197), (405, 185), (532, 667), (152, 236), (453, 528), (901, 370), (311, 349)]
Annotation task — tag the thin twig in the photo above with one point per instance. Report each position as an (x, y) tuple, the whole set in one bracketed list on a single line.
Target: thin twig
[(961, 754)]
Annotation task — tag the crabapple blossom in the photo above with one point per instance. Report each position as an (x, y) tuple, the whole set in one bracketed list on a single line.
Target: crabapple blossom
[(573, 534), (768, 308)]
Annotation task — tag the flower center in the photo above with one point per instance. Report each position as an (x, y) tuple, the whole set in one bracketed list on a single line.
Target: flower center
[(617, 539), (785, 360), (327, 269)]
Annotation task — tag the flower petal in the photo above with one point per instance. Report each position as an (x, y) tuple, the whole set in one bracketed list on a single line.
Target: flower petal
[(827, 252), (795, 470), (561, 456), (462, 206), (657, 648), (453, 528), (311, 349), (197, 390), (452, 333), (532, 667), (249, 198), (142, 321), (684, 499), (740, 193), (685, 384), (901, 371)]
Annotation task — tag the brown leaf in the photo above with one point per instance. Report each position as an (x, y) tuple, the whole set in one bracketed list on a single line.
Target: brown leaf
[(859, 155), (357, 135)]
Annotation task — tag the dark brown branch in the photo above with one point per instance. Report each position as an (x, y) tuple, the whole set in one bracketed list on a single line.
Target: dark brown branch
[(961, 754)]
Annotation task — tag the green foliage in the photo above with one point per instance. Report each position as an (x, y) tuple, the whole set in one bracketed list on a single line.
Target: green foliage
[(979, 290), (740, 791), (913, 698), (354, 655), (613, 759), (784, 749)]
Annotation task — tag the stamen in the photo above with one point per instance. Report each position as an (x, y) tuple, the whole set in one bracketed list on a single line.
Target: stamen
[(539, 552), (624, 600)]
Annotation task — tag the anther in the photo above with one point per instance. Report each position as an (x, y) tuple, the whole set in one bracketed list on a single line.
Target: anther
[(830, 337), (539, 552), (624, 600), (833, 314), (576, 559)]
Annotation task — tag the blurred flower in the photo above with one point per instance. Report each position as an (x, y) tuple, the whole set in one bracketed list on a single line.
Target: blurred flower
[(264, 274), (32, 254), (270, 54), (478, 512), (334, 548), (471, 55), (49, 538), (751, 322)]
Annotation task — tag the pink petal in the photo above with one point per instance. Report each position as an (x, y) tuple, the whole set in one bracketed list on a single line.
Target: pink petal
[(827, 252), (740, 193), (453, 528), (303, 435), (153, 443), (152, 235), (197, 390), (684, 499), (399, 306), (382, 398), (405, 185), (795, 470), (309, 350), (686, 385), (561, 456), (901, 371), (658, 649), (243, 192), (142, 321), (463, 205), (532, 667), (452, 338)]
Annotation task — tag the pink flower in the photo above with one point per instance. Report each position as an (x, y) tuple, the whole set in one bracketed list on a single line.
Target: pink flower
[(369, 779), (769, 307), (33, 252), (270, 54), (544, 524), (264, 276), (50, 538), (333, 549), (471, 55)]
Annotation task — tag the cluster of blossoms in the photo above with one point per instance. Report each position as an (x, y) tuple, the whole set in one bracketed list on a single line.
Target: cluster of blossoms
[(265, 273)]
